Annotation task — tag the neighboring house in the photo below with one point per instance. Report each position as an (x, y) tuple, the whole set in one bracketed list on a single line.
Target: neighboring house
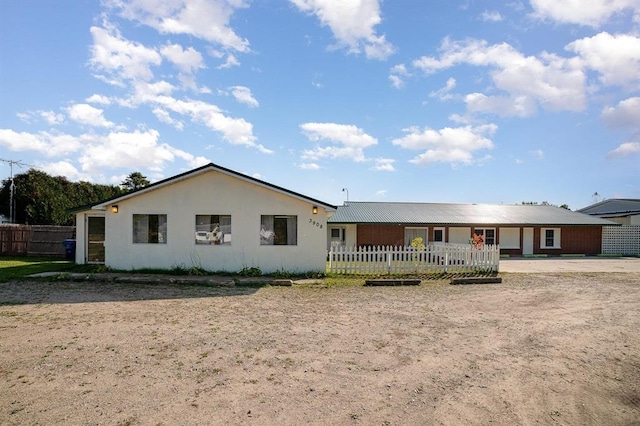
[(210, 217), (624, 239), (518, 229), (625, 211)]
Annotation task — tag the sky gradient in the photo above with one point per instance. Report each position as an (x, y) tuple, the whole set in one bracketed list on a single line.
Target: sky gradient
[(426, 101)]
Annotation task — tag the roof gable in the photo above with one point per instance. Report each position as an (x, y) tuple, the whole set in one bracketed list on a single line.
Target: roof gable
[(206, 169)]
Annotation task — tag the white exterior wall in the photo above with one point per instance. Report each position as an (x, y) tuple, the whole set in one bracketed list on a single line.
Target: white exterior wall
[(215, 193), (81, 239)]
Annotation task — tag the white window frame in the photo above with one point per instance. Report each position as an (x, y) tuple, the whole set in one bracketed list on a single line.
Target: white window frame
[(140, 235), (441, 229), (556, 238), (268, 232), (211, 232), (340, 240), (484, 234), (424, 231)]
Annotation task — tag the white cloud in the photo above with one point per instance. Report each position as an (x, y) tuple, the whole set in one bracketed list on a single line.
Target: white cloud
[(99, 99), (50, 144), (52, 117), (443, 93), (352, 23), (625, 114), (520, 106), (121, 59), (64, 168), (129, 150), (594, 13), (187, 60), (346, 141), (164, 116), (231, 61), (22, 141), (97, 153), (491, 16), (236, 131), (205, 19), (86, 114), (625, 150), (447, 145), (615, 57), (548, 81), (537, 153), (397, 74), (310, 166), (383, 164), (243, 95)]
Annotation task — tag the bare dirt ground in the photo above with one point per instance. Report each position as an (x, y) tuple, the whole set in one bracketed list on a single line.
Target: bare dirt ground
[(548, 348)]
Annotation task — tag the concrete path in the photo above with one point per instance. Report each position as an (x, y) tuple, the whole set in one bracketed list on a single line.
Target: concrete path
[(562, 264)]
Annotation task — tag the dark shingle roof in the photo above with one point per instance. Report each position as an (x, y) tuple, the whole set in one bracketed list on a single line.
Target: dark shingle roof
[(614, 207), (459, 214)]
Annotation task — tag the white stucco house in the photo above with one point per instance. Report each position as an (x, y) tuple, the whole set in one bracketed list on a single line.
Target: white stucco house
[(211, 217)]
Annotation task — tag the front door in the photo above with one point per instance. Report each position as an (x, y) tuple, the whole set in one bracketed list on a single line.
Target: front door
[(95, 239), (527, 240)]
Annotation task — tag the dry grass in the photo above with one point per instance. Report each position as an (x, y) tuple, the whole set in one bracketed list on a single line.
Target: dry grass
[(545, 348)]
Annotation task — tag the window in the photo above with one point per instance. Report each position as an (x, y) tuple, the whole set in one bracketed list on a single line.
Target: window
[(412, 233), (488, 235), (278, 230), (213, 229), (550, 238), (509, 238), (337, 236), (150, 228), (438, 235)]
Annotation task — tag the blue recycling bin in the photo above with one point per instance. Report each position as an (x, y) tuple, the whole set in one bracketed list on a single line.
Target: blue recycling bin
[(70, 249)]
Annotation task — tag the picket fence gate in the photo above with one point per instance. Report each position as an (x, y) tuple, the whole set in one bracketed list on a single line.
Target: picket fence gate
[(404, 260)]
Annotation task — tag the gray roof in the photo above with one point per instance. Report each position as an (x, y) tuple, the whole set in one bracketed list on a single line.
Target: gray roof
[(614, 207), (459, 214)]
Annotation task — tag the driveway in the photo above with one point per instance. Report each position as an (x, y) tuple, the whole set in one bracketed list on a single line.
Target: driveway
[(563, 264)]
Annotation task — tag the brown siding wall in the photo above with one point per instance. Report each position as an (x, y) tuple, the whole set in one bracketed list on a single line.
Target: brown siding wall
[(573, 240), (380, 235)]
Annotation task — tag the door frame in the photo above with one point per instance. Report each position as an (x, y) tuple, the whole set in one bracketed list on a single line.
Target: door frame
[(87, 242)]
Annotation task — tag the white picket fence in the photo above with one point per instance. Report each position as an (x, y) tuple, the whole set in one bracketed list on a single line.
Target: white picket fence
[(406, 260)]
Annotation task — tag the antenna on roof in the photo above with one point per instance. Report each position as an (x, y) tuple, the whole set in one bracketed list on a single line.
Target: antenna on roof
[(596, 197), (12, 187)]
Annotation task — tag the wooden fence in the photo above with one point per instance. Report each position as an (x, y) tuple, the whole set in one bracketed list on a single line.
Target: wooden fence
[(34, 240), (406, 260)]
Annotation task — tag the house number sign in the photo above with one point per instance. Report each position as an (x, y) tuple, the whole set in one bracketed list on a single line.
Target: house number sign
[(315, 223)]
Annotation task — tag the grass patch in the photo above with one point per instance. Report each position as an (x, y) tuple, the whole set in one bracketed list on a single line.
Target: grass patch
[(609, 255), (572, 255), (535, 256), (13, 268)]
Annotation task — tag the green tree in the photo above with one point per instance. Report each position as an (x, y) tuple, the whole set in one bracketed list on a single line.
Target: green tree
[(135, 180), (41, 199)]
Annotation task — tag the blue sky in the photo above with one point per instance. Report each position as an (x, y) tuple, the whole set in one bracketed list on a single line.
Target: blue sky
[(413, 100)]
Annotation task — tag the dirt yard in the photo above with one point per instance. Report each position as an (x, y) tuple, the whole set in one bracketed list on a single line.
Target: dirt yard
[(537, 349)]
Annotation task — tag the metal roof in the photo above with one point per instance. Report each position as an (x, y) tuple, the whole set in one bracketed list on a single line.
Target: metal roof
[(458, 214), (614, 207)]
